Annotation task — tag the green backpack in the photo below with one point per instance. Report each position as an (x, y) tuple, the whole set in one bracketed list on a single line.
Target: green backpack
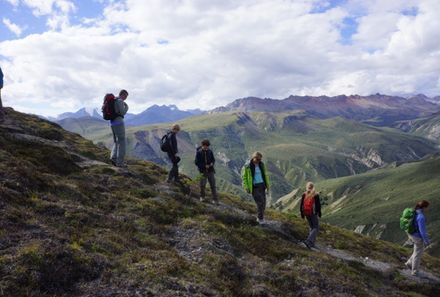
[(406, 220)]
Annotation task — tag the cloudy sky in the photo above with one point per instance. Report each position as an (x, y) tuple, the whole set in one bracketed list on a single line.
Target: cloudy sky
[(61, 55)]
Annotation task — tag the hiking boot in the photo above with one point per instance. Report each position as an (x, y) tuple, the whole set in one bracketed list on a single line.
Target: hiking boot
[(261, 221), (215, 202), (202, 199), (305, 244), (113, 162)]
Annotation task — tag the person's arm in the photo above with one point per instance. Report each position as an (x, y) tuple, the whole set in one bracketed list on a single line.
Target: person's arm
[(213, 159), (245, 179), (422, 229), (173, 143), (124, 108), (198, 161), (1, 79), (266, 176), (318, 205), (301, 206)]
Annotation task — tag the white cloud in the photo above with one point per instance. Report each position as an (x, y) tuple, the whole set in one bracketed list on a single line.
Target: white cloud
[(58, 11), (14, 28), (207, 53)]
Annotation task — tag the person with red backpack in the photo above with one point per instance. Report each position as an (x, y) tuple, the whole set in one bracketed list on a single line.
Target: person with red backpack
[(119, 109), (311, 209)]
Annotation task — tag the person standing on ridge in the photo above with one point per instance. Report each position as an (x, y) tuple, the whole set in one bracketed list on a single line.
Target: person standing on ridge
[(1, 87), (419, 237), (310, 209), (256, 182), (172, 151), (118, 128), (205, 163)]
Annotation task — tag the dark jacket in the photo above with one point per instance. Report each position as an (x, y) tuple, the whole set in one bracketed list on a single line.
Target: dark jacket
[(204, 158), (317, 208), (173, 143), (1, 78)]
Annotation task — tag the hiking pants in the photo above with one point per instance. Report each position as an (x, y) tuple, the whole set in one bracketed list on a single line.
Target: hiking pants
[(118, 151), (314, 228), (259, 195), (416, 256), (174, 172), (210, 177)]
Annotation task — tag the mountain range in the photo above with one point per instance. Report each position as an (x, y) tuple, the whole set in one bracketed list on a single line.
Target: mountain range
[(375, 109), (152, 115), (73, 225)]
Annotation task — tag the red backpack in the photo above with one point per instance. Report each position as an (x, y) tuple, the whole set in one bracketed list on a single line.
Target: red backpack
[(108, 107), (309, 205)]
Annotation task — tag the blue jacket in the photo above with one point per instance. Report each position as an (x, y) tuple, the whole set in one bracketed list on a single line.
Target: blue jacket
[(420, 225), (1, 78)]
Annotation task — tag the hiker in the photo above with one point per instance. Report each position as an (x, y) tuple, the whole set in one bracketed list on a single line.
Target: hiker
[(419, 237), (205, 163), (172, 151), (118, 128), (256, 182), (1, 87), (310, 209)]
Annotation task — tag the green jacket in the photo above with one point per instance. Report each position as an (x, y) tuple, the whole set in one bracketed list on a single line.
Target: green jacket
[(247, 175)]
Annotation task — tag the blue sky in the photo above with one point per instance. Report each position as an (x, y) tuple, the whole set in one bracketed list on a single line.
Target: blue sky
[(202, 54), (23, 16)]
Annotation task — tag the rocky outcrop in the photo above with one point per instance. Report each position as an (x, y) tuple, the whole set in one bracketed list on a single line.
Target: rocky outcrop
[(369, 157)]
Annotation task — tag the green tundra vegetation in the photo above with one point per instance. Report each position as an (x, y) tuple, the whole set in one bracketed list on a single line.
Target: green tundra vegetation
[(73, 225)]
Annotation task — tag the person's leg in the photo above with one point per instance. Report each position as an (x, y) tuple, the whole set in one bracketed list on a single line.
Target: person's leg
[(409, 262), (122, 144), (211, 180), (259, 196), (202, 186), (119, 132), (174, 172), (170, 174), (314, 228), (417, 254), (114, 152)]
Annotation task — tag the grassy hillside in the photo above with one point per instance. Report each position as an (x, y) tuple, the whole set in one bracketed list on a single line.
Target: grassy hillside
[(428, 127), (297, 147), (87, 127), (72, 225), (373, 201)]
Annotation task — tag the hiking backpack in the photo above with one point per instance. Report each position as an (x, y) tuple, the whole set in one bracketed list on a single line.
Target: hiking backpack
[(165, 143), (407, 220), (108, 107), (309, 205)]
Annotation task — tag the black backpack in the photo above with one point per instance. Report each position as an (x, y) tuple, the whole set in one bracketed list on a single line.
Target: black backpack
[(165, 143)]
